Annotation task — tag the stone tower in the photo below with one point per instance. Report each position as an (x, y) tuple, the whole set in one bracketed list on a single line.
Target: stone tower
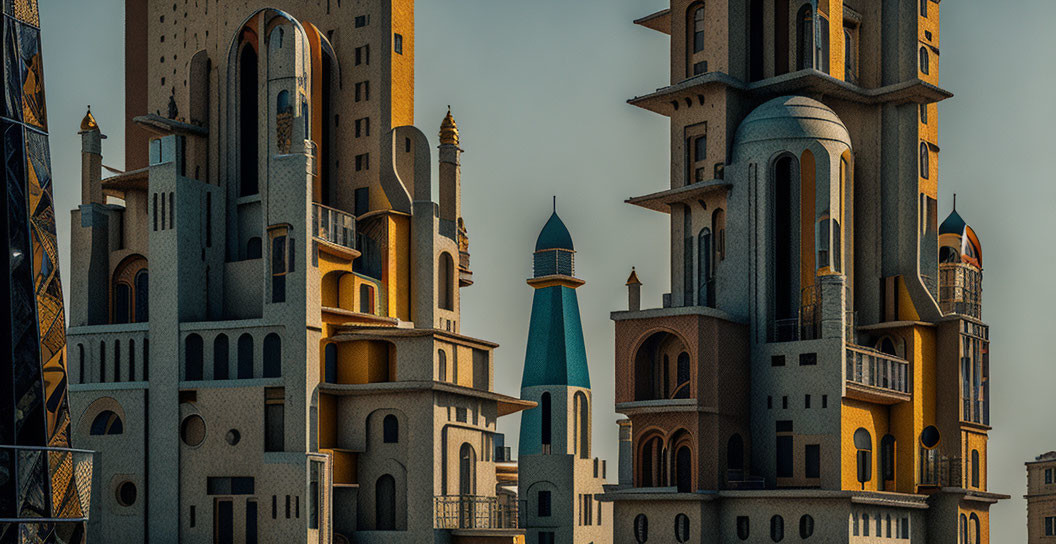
[(822, 333), (558, 479), (45, 484)]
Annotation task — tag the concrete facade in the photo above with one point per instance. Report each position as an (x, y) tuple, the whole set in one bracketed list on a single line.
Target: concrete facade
[(819, 367), (270, 308)]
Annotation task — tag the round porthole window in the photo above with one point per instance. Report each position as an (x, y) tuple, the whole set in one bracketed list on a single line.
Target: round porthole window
[(929, 437), (233, 436), (192, 430), (126, 493)]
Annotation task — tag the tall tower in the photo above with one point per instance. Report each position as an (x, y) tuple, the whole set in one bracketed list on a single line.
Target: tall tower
[(557, 478), (267, 326), (805, 255), (45, 485)]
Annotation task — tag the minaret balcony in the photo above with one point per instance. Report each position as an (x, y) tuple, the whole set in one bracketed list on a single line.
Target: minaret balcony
[(873, 376), (961, 289), (473, 512), (333, 226)]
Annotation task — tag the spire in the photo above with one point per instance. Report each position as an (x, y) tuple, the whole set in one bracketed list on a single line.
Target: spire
[(88, 123), (633, 278), (449, 130)]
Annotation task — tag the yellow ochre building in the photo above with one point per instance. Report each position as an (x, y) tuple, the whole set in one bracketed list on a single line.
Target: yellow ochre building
[(819, 370), (265, 335)]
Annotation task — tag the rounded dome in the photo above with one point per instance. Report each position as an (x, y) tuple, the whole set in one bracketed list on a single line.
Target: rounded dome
[(792, 117), (958, 242), (554, 235)]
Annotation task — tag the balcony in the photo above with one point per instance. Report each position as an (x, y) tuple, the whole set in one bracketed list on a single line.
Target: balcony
[(473, 512), (806, 326), (877, 377), (939, 471), (333, 226), (961, 289), (72, 468)]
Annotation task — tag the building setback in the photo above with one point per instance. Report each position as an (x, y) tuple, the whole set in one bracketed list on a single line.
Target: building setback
[(45, 484), (266, 313), (819, 369), (558, 480)]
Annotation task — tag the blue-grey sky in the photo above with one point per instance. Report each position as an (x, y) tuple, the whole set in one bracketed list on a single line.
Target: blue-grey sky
[(539, 89)]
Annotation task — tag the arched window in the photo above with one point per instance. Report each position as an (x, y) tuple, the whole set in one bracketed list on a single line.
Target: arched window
[(652, 372), (117, 360), (925, 169), (887, 458), (385, 503), (142, 296), (704, 250), (199, 95), (964, 530), (924, 60), (863, 442), (743, 527), (698, 26), (783, 233), (684, 469), (192, 357), (682, 389), (467, 470), (366, 299), (975, 468), (248, 118), (283, 120), (446, 282), (441, 357), (718, 227), (974, 529), (806, 526), (106, 422), (582, 421), (254, 249), (272, 356), (390, 430), (545, 414), (245, 357), (777, 528), (130, 289), (651, 463), (735, 457), (221, 355), (682, 528), (330, 363), (641, 529), (805, 38)]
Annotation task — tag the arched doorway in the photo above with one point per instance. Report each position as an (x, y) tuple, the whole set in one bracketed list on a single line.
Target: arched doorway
[(385, 503)]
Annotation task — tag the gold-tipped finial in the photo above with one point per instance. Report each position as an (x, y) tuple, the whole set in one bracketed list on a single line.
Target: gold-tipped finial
[(88, 123), (633, 279), (448, 130)]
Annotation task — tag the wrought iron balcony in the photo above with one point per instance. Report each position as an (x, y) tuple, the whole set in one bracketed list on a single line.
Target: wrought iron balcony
[(334, 226), (961, 289), (939, 471), (877, 377), (473, 512), (806, 326)]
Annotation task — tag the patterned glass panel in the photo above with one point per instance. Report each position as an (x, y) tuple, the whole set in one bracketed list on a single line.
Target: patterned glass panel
[(32, 484), (32, 71), (12, 80)]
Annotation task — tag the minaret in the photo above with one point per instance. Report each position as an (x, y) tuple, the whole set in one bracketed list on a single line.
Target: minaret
[(91, 160), (557, 477), (450, 170)]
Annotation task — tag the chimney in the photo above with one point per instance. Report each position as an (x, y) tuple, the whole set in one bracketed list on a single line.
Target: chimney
[(634, 292)]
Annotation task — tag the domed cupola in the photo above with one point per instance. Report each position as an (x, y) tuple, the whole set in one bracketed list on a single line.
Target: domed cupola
[(554, 251), (958, 242)]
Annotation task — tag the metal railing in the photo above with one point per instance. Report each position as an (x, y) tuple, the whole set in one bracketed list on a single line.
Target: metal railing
[(334, 226), (806, 326), (939, 471), (875, 369), (473, 512), (961, 289)]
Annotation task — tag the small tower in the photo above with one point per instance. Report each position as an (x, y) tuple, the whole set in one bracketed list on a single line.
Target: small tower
[(450, 170), (634, 292), (91, 160), (558, 478), (960, 267)]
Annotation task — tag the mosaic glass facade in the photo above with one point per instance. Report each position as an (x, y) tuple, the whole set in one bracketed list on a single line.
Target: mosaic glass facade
[(45, 485)]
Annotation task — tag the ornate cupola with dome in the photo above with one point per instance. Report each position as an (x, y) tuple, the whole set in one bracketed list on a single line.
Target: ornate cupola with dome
[(819, 330)]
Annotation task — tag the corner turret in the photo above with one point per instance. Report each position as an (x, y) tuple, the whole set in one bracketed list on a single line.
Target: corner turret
[(91, 160)]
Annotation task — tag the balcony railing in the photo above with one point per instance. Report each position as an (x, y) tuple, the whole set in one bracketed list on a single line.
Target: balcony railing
[(878, 370), (73, 467), (473, 512), (334, 226), (939, 471), (961, 289), (806, 326)]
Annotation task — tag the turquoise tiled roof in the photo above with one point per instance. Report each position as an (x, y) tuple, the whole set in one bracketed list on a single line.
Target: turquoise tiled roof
[(556, 353), (554, 235)]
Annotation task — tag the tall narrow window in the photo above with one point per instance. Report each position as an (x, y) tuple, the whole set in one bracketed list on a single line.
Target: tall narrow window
[(755, 41), (777, 528), (441, 357), (887, 458), (142, 296), (582, 421), (122, 303), (704, 243), (279, 268), (684, 470), (330, 363), (390, 430), (924, 60), (221, 354), (812, 461), (682, 390), (274, 418), (863, 442), (687, 257), (783, 234), (248, 119), (155, 211), (975, 468), (925, 168), (923, 8), (735, 457), (698, 28), (545, 415), (850, 64), (117, 360), (397, 44), (366, 299), (805, 38), (543, 506), (272, 356), (385, 503), (192, 353), (245, 357), (446, 282)]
